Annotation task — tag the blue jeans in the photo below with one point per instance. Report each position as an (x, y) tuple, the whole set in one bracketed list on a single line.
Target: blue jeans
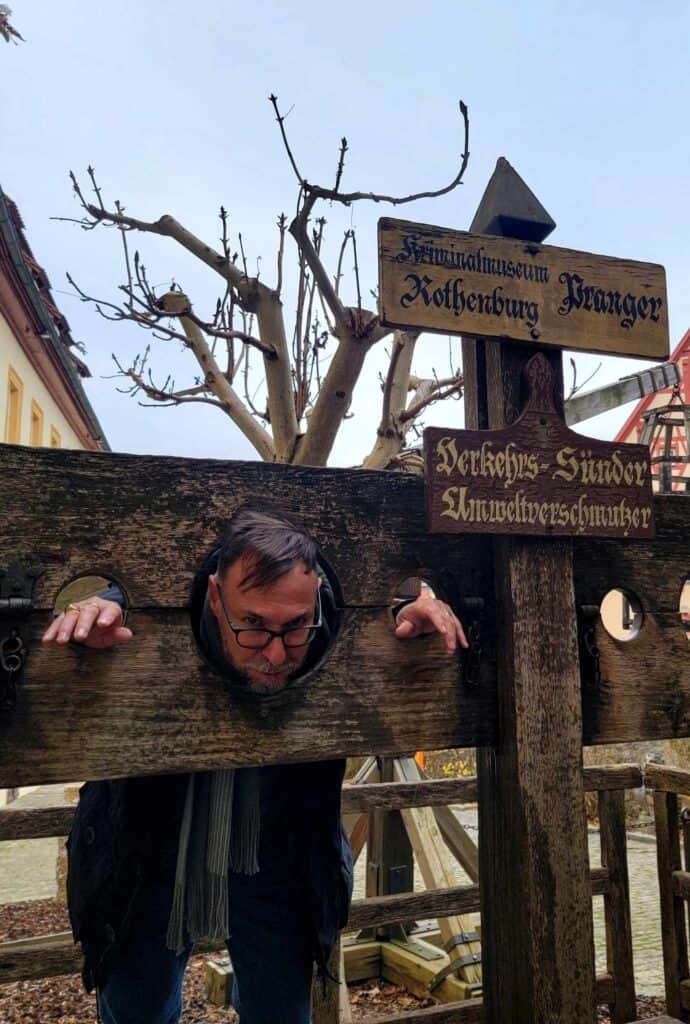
[(269, 945)]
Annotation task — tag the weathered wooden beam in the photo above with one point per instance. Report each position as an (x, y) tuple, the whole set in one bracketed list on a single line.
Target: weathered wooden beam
[(158, 708), (42, 822), (462, 899), (619, 946), (426, 793), (627, 389), (642, 689), (667, 779), (369, 913), (155, 706), (673, 936), (537, 932), (611, 777), (469, 1011), (456, 838), (39, 823), (402, 965), (47, 956), (42, 957), (435, 866)]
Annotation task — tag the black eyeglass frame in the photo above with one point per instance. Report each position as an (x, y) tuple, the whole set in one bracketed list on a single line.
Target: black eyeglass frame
[(312, 629)]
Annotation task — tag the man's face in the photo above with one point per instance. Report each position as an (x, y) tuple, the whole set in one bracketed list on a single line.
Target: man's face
[(287, 602)]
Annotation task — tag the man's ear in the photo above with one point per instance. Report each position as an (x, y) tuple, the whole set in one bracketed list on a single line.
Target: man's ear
[(212, 591)]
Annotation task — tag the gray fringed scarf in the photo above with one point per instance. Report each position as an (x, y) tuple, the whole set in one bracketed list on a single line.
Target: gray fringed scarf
[(219, 832)]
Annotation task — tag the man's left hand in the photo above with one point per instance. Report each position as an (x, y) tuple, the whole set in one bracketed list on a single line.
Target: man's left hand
[(429, 615)]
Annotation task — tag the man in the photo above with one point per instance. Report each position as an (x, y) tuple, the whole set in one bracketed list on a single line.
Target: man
[(255, 856)]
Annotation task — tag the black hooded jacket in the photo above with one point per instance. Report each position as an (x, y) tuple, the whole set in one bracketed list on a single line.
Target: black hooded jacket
[(125, 835)]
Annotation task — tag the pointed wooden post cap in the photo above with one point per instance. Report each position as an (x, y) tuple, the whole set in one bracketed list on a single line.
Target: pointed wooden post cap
[(509, 208)]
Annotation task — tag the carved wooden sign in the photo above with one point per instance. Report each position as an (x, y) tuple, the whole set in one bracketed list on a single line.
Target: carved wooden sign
[(455, 282), (536, 476)]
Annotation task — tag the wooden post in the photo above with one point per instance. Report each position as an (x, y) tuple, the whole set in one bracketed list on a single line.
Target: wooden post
[(673, 936), (537, 932), (619, 950), (330, 1002), (390, 867)]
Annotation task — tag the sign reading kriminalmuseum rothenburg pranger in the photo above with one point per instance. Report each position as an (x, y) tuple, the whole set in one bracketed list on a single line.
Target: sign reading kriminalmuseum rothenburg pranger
[(536, 476), (455, 282)]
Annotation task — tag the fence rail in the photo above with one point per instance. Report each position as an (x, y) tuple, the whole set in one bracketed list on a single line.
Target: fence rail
[(50, 955)]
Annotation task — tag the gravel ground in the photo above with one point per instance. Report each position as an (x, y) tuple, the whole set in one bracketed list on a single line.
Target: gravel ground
[(63, 1001)]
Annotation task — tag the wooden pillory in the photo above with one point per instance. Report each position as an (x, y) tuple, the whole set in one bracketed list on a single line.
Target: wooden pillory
[(549, 678)]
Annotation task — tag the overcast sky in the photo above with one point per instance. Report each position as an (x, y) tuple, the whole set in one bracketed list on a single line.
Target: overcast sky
[(169, 102)]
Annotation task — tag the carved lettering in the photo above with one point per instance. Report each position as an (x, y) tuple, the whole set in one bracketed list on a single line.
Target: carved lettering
[(627, 308)]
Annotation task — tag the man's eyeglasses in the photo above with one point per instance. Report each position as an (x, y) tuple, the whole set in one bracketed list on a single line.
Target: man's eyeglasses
[(257, 639)]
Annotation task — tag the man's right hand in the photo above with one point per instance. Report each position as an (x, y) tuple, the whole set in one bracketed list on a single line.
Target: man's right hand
[(93, 622)]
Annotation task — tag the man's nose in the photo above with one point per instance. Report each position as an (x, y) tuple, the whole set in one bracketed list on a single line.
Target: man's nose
[(275, 652)]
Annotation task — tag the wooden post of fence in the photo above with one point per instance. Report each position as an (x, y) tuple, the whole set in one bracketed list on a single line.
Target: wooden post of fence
[(619, 950), (537, 932), (390, 866), (673, 936)]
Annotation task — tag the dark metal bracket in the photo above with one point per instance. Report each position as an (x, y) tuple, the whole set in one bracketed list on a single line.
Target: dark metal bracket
[(16, 602), (471, 610), (467, 960)]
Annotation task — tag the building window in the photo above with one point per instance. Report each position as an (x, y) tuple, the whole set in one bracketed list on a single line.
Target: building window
[(36, 435), (55, 440), (13, 418)]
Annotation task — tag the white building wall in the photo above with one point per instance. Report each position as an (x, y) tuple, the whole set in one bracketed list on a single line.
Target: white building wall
[(12, 355)]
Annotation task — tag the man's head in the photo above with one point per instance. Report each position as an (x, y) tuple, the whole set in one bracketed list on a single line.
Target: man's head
[(266, 580)]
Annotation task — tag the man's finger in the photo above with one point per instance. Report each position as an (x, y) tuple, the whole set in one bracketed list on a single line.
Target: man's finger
[(109, 637), (52, 630), (88, 613), (110, 614), (405, 628), (68, 622), (460, 633)]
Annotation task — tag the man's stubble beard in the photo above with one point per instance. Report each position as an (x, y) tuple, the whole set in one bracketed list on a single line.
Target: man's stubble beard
[(262, 687)]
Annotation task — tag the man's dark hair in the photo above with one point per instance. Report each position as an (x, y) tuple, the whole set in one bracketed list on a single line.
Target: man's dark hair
[(270, 542)]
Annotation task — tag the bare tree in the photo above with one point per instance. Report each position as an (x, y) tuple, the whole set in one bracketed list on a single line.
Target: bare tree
[(7, 30), (303, 401)]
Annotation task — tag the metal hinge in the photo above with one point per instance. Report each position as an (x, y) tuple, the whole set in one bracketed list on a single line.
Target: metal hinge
[(16, 603)]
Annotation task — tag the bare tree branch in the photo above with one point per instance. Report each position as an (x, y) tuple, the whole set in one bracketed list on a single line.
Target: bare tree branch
[(281, 121), (341, 162), (215, 380), (391, 432), (282, 228), (429, 391)]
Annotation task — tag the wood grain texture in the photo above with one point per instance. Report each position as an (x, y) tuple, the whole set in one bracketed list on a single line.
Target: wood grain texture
[(461, 283), (612, 776), (468, 1011), (369, 913), (47, 956), (56, 821), (537, 934), (406, 966), (644, 690), (154, 706), (619, 947), (39, 823), (428, 793), (536, 476), (667, 779), (673, 935), (436, 868)]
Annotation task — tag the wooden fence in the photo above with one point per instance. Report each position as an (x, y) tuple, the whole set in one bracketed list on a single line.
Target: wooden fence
[(50, 955)]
